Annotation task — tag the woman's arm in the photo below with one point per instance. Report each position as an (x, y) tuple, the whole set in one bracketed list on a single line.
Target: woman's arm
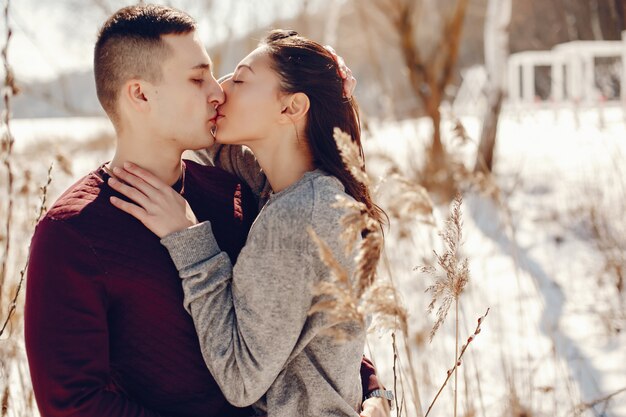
[(237, 160), (248, 318)]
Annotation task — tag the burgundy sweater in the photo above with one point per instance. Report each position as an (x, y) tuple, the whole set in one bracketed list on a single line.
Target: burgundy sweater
[(105, 328)]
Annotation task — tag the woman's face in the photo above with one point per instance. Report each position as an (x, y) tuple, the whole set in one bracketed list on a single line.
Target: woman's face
[(252, 107)]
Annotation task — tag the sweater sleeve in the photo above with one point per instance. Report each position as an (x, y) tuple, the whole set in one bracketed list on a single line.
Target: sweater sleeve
[(369, 380), (66, 330), (237, 160), (248, 318)]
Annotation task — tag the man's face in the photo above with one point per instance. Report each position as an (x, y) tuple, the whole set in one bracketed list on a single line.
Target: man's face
[(183, 103)]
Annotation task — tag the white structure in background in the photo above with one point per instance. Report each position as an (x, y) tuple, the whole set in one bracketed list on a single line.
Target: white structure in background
[(573, 72)]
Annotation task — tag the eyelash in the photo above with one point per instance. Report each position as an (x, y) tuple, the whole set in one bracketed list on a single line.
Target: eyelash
[(196, 81), (237, 82)]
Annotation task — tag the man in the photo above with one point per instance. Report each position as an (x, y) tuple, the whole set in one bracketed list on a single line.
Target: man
[(106, 332)]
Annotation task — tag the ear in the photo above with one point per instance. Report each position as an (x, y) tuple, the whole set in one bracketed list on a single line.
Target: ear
[(134, 94), (294, 107)]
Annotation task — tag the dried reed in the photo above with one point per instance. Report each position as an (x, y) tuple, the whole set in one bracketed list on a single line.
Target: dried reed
[(457, 363)]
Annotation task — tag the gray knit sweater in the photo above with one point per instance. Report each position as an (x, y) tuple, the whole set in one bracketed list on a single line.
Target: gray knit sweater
[(252, 319)]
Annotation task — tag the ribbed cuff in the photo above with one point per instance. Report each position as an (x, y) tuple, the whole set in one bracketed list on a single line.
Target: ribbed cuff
[(192, 245)]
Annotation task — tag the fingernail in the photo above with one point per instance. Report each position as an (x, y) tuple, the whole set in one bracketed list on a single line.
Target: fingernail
[(112, 180), (128, 165), (117, 170)]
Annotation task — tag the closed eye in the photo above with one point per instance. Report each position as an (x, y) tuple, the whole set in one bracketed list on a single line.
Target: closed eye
[(198, 81), (237, 82)]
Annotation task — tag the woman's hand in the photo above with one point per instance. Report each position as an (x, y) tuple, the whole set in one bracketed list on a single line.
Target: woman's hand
[(158, 206), (375, 407)]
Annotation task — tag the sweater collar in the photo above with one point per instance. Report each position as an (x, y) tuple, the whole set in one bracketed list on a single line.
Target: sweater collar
[(103, 173)]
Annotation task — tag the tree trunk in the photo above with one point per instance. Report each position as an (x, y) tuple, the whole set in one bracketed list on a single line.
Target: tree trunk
[(496, 54), (437, 150), (484, 159), (620, 7), (596, 25)]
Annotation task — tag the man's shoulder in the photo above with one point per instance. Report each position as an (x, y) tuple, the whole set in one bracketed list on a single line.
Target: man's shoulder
[(77, 198)]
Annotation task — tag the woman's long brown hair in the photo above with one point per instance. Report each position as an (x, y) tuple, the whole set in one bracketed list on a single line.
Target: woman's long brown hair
[(306, 66)]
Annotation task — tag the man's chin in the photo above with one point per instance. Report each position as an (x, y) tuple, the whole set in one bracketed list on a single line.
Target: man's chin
[(200, 144)]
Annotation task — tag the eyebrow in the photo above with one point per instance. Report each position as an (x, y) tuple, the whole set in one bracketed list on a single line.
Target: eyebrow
[(202, 66), (244, 66)]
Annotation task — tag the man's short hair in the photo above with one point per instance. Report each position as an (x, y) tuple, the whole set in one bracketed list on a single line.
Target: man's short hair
[(130, 46)]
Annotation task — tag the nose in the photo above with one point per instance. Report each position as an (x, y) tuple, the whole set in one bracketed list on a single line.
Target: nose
[(216, 94)]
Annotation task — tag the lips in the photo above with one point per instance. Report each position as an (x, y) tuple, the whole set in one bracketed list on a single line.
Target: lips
[(215, 118)]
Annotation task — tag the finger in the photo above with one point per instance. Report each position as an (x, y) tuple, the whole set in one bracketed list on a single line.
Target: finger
[(130, 192), (130, 208), (145, 175), (367, 409), (131, 179)]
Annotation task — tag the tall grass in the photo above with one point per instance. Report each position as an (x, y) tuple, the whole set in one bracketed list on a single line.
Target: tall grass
[(534, 380), (346, 298)]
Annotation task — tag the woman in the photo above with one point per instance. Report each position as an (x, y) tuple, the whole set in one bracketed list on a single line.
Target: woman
[(258, 340)]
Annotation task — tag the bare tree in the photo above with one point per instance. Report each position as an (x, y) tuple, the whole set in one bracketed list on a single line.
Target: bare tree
[(496, 53), (429, 76)]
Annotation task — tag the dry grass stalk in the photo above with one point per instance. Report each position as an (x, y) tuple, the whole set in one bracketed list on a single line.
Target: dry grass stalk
[(351, 155), (346, 298), (395, 372), (411, 201), (458, 359), (5, 401), (610, 243), (10, 89), (481, 180), (449, 285), (579, 409), (42, 210), (381, 300), (8, 349), (351, 297), (353, 222), (337, 299), (64, 163)]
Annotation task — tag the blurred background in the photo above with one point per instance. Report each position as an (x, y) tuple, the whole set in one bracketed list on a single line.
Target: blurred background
[(517, 105)]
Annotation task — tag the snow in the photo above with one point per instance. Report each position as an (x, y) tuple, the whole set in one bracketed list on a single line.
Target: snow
[(544, 329)]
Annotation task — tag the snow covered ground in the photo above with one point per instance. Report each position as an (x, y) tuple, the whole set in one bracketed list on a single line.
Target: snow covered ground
[(555, 332), (553, 335)]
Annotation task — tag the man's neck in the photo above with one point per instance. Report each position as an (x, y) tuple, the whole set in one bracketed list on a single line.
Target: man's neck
[(165, 163)]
